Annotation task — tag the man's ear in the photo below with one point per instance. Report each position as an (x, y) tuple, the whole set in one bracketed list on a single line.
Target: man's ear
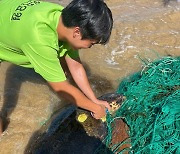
[(77, 33)]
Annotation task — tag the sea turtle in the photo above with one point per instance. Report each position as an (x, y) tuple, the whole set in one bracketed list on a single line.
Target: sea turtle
[(68, 133)]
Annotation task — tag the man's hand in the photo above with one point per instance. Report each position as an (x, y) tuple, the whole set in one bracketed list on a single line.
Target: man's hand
[(100, 112), (104, 103)]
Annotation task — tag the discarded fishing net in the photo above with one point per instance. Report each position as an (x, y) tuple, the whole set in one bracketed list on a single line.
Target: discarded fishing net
[(151, 110)]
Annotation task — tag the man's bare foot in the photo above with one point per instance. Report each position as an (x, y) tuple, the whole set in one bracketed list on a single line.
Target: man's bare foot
[(1, 126)]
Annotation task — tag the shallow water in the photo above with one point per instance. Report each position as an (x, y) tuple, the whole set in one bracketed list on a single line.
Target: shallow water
[(142, 29)]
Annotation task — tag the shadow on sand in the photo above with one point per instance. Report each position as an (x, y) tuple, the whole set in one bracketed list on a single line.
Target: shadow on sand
[(15, 77)]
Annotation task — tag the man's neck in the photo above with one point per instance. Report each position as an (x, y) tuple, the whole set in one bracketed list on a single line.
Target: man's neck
[(61, 30)]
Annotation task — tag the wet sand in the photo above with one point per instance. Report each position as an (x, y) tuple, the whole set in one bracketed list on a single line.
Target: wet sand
[(142, 29)]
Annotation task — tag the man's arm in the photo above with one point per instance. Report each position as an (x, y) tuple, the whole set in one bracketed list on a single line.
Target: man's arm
[(74, 95), (79, 75)]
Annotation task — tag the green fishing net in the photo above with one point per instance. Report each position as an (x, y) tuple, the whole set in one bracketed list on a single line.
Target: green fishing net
[(151, 110)]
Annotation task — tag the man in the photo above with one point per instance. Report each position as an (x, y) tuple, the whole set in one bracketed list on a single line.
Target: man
[(36, 34)]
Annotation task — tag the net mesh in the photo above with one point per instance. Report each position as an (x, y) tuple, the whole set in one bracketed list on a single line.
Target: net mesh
[(151, 110)]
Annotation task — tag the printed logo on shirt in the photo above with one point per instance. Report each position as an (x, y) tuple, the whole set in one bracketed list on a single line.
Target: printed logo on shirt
[(19, 10)]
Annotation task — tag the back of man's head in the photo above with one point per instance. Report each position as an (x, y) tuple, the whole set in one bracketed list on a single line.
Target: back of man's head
[(92, 16)]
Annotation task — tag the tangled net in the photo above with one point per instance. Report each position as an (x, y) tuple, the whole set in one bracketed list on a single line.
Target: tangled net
[(151, 110)]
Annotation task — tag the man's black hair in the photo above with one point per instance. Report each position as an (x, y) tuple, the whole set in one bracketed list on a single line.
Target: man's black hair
[(92, 16)]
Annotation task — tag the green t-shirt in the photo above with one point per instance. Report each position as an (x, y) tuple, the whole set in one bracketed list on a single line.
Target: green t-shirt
[(28, 37)]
